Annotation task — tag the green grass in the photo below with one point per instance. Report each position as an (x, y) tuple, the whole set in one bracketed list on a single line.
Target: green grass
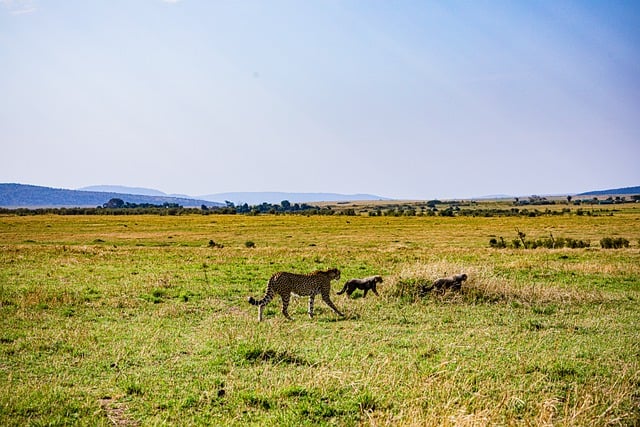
[(139, 321)]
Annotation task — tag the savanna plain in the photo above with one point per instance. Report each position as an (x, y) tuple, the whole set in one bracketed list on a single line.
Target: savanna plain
[(144, 320)]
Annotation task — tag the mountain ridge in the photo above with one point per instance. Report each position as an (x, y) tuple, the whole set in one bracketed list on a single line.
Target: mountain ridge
[(241, 197), (615, 191), (122, 189), (13, 195), (256, 198)]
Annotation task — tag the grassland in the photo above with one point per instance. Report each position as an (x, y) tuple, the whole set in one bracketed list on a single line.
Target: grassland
[(138, 321)]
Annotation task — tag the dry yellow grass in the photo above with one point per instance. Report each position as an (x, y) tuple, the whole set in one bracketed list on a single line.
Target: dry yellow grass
[(137, 319)]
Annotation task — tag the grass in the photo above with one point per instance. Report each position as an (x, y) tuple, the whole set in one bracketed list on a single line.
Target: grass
[(140, 321)]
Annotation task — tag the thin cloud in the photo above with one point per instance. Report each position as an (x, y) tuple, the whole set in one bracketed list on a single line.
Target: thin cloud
[(18, 7)]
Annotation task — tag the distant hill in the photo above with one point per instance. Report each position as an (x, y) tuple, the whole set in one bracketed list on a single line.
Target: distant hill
[(239, 198), (612, 192), (133, 190), (124, 190), (494, 197), (32, 196), (257, 198)]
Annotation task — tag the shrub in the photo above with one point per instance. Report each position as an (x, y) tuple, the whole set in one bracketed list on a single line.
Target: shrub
[(499, 244), (213, 244), (614, 243), (575, 244), (544, 242)]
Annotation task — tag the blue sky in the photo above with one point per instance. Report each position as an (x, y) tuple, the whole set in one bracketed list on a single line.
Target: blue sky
[(403, 99)]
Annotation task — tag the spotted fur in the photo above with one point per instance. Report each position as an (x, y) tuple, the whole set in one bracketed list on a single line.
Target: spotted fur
[(285, 284)]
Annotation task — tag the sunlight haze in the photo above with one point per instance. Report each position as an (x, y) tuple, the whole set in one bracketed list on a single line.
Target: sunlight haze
[(406, 99)]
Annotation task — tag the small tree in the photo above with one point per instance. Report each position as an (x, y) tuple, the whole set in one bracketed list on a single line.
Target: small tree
[(114, 203), (521, 236)]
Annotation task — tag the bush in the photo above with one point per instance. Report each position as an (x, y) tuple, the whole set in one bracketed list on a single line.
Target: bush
[(614, 243), (213, 244), (494, 243), (576, 244), (544, 242)]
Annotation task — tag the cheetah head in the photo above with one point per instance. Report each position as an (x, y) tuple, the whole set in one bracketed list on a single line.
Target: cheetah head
[(334, 273)]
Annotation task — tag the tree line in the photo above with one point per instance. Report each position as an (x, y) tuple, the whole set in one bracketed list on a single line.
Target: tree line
[(116, 206)]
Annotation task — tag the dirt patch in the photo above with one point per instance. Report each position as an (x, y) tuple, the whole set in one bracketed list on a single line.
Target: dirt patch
[(116, 412)]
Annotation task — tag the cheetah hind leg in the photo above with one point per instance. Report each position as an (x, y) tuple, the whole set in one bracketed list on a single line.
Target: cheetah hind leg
[(285, 306), (310, 311)]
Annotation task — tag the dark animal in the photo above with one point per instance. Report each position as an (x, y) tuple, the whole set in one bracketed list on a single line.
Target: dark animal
[(366, 284), (453, 283), (285, 284)]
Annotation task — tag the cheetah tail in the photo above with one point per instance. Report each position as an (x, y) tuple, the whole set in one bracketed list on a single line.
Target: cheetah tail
[(264, 301)]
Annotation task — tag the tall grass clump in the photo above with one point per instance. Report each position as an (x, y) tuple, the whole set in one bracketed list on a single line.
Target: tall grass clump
[(482, 286)]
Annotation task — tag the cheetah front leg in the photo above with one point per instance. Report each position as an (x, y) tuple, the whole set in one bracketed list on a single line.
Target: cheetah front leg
[(311, 298), (327, 300)]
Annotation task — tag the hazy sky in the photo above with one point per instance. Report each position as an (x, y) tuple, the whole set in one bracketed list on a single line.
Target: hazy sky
[(403, 99)]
